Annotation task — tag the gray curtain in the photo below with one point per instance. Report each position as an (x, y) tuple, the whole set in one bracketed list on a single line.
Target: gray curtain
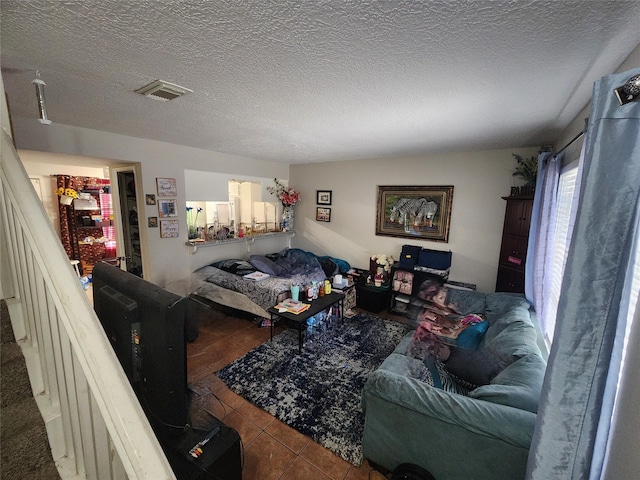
[(580, 385)]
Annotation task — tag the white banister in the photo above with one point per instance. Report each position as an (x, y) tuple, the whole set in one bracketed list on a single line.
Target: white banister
[(95, 424)]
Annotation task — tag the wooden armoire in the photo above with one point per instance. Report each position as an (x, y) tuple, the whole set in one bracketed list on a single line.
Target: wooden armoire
[(515, 238)]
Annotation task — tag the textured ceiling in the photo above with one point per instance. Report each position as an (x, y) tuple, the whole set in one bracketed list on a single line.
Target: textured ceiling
[(304, 81)]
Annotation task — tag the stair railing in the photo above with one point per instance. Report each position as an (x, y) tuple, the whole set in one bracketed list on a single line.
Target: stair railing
[(95, 424)]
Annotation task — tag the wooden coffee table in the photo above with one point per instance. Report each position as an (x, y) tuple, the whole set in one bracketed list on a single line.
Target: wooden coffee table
[(299, 321)]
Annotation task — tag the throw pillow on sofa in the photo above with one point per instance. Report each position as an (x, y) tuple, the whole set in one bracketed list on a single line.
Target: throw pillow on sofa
[(440, 329), (518, 385), (477, 367)]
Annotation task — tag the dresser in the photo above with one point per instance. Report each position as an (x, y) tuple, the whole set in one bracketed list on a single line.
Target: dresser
[(515, 238)]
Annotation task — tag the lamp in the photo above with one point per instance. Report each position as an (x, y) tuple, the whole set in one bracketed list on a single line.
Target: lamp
[(42, 107), (630, 91)]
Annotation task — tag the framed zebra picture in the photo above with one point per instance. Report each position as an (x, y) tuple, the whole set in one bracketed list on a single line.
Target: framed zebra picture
[(414, 212)]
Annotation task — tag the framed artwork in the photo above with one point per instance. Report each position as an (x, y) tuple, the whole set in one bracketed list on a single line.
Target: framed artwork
[(167, 208), (323, 197), (323, 214), (169, 228), (166, 187), (150, 199), (152, 222), (414, 212)]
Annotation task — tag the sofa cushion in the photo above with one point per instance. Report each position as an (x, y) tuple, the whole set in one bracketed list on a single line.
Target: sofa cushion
[(417, 369), (497, 304), (518, 385), (511, 337), (465, 301), (477, 367)]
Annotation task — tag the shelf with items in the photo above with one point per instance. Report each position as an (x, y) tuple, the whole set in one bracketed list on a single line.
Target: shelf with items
[(406, 284), (513, 250), (196, 244), (87, 239)]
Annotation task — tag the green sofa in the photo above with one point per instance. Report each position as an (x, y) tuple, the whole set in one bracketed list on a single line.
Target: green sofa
[(484, 434)]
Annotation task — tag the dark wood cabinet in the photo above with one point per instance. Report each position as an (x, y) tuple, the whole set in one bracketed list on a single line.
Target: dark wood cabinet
[(515, 239)]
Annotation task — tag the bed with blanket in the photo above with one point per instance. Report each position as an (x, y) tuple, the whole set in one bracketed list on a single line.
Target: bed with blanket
[(224, 282)]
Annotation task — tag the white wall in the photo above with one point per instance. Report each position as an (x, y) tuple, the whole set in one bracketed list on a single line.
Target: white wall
[(480, 179), (170, 258)]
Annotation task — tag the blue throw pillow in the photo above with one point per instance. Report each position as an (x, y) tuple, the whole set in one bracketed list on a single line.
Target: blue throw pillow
[(471, 336)]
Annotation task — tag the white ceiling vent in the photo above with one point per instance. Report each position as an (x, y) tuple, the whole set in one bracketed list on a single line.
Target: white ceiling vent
[(163, 91)]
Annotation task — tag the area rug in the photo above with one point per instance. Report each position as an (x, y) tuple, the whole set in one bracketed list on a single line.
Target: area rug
[(319, 391)]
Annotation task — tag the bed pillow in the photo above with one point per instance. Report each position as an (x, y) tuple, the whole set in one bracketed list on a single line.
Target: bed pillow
[(234, 265), (329, 267), (266, 265)]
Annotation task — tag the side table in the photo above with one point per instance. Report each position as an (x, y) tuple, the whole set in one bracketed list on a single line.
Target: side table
[(373, 299)]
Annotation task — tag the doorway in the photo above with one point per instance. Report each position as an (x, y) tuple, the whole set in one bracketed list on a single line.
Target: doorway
[(132, 261)]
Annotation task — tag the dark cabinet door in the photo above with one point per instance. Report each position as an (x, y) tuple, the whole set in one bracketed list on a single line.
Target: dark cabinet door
[(514, 251), (518, 217), (510, 280), (515, 239)]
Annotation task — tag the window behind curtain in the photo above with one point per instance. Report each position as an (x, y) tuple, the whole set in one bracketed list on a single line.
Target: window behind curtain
[(564, 222)]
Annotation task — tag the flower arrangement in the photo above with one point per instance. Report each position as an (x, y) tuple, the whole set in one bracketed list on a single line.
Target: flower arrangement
[(384, 261), (287, 195), (69, 192), (192, 220), (526, 168)]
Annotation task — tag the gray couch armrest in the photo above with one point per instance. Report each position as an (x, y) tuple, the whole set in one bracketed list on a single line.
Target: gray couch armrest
[(452, 436), (505, 423)]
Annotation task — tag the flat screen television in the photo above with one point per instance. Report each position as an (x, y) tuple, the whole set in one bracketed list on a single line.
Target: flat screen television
[(145, 325)]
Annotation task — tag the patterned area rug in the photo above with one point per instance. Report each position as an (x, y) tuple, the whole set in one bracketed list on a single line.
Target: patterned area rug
[(318, 392)]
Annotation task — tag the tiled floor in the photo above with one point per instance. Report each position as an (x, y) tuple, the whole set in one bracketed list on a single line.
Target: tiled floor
[(272, 450)]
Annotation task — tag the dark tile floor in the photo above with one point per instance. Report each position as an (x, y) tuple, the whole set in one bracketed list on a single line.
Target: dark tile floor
[(272, 450)]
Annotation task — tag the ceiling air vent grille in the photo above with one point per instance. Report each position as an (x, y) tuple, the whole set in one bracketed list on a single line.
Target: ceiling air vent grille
[(163, 91)]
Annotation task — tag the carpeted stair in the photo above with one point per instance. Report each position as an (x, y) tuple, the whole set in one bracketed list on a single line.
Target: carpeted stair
[(25, 452)]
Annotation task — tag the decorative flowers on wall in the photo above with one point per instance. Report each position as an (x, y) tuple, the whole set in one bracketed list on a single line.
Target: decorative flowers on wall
[(66, 195), (69, 192), (287, 195)]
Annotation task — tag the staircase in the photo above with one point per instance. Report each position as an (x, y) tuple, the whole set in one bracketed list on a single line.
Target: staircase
[(25, 450), (95, 426)]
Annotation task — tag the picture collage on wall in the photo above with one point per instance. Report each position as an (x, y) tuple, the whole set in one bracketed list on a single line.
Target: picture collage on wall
[(323, 213), (167, 208)]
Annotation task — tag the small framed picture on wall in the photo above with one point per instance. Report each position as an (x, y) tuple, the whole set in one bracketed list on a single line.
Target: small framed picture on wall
[(167, 208), (323, 197), (323, 214), (167, 187), (169, 228)]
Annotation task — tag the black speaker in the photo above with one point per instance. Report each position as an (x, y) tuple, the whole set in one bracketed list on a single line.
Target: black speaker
[(220, 458)]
